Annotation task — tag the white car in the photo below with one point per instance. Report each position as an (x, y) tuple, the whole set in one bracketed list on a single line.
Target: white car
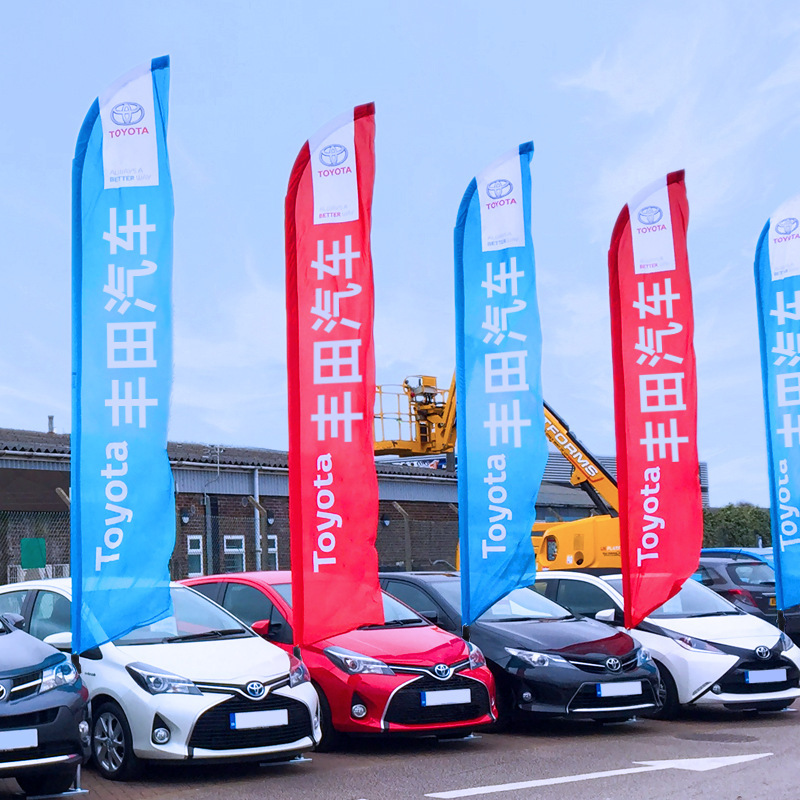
[(708, 652), (197, 685)]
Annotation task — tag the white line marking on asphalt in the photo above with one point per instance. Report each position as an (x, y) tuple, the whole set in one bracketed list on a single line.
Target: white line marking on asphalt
[(692, 764)]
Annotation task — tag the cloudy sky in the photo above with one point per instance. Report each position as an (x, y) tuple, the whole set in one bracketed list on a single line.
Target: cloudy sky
[(613, 95)]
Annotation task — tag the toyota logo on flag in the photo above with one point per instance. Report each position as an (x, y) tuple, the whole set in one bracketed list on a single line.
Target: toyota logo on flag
[(499, 188), (256, 689), (333, 155), (649, 215), (127, 114), (787, 226), (613, 664), (763, 652)]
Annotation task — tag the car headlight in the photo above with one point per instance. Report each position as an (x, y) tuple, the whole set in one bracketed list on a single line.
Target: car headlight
[(476, 657), (298, 672), (785, 642), (690, 643), (62, 674), (535, 659), (356, 663), (643, 657), (157, 681)]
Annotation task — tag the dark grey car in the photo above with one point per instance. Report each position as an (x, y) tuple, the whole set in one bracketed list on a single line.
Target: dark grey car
[(44, 725)]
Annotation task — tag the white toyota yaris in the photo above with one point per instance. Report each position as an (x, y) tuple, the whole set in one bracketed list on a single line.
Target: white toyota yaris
[(707, 651), (196, 685)]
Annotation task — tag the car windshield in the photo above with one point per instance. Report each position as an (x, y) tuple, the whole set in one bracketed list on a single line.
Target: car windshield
[(516, 606), (394, 612), (693, 600), (752, 573), (193, 618)]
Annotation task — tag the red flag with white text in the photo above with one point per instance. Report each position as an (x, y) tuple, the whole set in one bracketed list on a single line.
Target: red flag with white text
[(655, 397), (333, 487)]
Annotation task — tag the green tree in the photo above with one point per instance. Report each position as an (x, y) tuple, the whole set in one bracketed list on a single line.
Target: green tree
[(736, 525)]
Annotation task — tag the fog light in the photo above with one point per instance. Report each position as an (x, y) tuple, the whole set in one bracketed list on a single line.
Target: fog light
[(83, 730), (527, 697), (716, 688), (161, 735), (359, 711)]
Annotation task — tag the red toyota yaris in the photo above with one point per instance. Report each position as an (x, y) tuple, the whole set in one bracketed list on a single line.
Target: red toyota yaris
[(403, 677)]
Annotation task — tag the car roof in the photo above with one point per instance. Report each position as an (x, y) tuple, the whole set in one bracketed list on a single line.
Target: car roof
[(720, 559), (275, 576), (62, 584), (423, 576)]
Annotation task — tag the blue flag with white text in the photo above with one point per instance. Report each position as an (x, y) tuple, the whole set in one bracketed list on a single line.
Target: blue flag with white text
[(777, 274), (122, 491), (502, 450)]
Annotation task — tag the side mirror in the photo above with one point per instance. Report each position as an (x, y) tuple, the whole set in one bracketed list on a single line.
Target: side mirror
[(607, 615), (261, 627), (61, 641), (14, 620)]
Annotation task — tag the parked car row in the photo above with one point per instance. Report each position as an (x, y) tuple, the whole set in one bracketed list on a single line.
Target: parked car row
[(217, 677)]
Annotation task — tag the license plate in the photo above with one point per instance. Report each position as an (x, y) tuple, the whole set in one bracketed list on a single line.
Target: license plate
[(772, 602), (19, 740), (446, 697), (765, 676), (259, 719), (621, 689)]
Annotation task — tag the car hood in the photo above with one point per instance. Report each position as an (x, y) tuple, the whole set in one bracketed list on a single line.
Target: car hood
[(740, 630), (223, 660), (574, 637), (424, 645), (20, 653)]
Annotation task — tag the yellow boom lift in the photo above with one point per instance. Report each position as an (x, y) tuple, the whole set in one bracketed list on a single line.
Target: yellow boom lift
[(419, 419)]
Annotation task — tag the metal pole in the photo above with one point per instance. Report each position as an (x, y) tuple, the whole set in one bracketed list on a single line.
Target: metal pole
[(407, 531), (257, 519)]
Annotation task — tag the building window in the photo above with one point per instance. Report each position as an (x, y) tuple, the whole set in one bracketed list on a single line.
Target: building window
[(233, 549), (194, 555)]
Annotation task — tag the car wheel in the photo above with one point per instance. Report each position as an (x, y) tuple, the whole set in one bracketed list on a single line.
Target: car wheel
[(331, 738), (667, 694), (112, 744), (52, 782)]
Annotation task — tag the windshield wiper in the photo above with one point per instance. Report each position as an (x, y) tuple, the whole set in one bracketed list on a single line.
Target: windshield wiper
[(714, 614), (395, 623), (215, 634), (519, 619)]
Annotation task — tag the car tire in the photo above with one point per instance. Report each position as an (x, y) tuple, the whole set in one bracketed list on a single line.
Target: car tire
[(331, 738), (667, 694), (51, 782), (112, 744)]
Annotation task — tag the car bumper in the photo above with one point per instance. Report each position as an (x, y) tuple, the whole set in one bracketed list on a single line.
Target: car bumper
[(202, 726), (394, 703), (58, 741), (567, 691)]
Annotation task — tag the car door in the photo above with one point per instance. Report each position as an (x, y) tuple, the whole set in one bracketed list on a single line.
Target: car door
[(49, 614)]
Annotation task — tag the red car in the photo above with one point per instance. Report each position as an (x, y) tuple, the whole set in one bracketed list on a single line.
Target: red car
[(403, 677)]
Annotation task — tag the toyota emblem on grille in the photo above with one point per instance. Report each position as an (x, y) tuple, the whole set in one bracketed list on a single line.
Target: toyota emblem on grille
[(2, 692), (613, 664), (442, 671), (762, 651), (256, 689)]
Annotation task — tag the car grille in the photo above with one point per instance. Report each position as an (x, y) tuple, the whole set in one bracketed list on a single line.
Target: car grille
[(733, 682), (213, 730), (25, 685), (599, 667), (586, 698), (32, 720), (405, 707)]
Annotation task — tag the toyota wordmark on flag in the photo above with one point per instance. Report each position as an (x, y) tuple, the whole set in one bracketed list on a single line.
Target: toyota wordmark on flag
[(777, 275), (333, 486), (502, 450), (655, 397), (123, 506)]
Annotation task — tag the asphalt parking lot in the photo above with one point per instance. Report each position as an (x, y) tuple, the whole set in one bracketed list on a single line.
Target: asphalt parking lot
[(709, 755)]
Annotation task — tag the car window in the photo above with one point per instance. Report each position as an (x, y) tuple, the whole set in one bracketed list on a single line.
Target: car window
[(752, 574), (51, 614), (412, 596), (693, 600), (545, 588), (702, 575), (247, 603), (210, 590), (279, 628), (13, 601), (584, 598)]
